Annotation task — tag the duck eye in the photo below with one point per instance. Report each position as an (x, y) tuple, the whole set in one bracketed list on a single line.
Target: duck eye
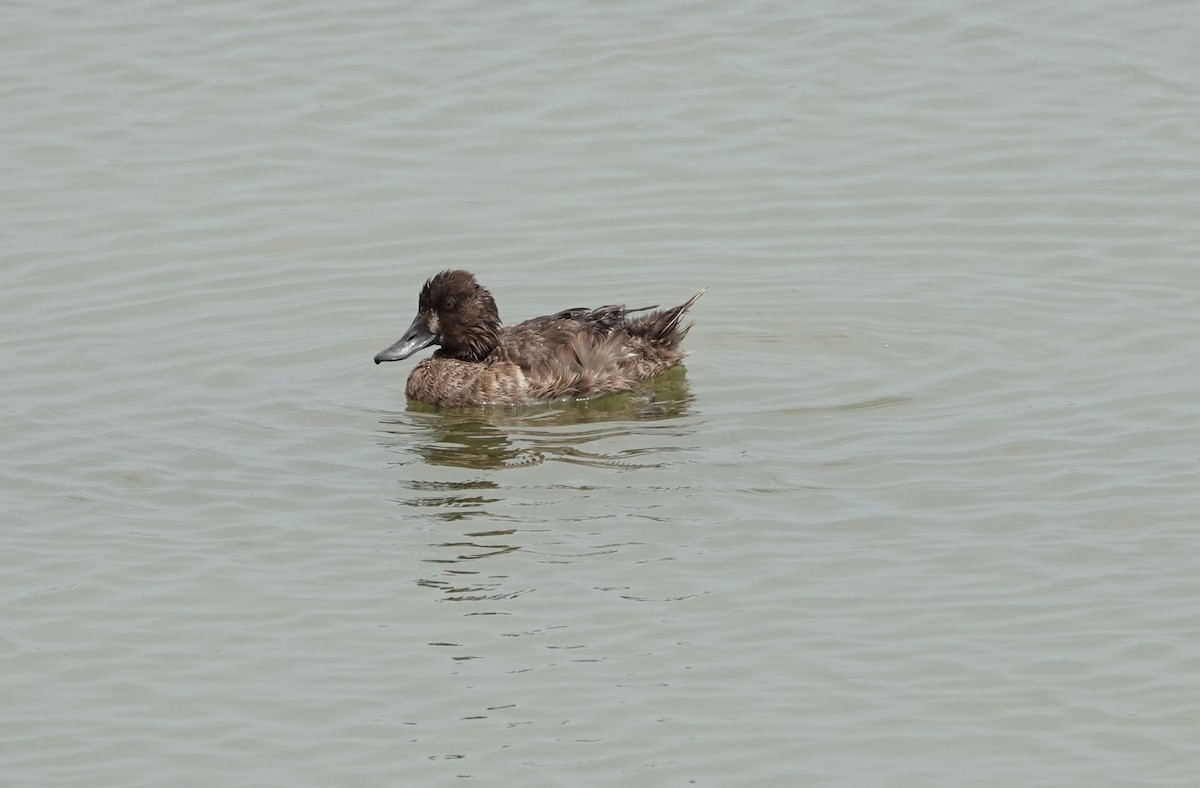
[(450, 304)]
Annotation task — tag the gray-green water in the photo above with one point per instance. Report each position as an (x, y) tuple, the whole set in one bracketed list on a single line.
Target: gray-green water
[(920, 511)]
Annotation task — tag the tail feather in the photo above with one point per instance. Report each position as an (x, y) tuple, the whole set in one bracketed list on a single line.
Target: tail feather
[(662, 326)]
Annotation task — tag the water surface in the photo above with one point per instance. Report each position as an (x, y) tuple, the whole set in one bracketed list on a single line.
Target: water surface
[(920, 510)]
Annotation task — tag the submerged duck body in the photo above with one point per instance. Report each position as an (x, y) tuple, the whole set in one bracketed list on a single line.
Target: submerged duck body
[(577, 352)]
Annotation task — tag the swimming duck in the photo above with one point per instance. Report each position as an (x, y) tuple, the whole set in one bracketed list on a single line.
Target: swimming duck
[(577, 352)]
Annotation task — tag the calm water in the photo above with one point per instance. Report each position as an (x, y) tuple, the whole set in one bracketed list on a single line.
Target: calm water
[(920, 511)]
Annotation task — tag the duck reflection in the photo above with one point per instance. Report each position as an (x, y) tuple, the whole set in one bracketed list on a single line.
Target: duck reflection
[(457, 441), (476, 527), (450, 501), (462, 584), (458, 576)]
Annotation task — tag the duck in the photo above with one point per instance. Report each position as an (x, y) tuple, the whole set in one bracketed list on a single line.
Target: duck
[(576, 353)]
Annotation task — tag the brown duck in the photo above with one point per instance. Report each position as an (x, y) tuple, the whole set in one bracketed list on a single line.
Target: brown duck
[(578, 352)]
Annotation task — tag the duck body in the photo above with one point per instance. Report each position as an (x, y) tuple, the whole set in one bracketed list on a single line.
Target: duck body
[(577, 352)]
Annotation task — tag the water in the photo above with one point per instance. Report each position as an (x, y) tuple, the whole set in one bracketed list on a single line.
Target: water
[(919, 511)]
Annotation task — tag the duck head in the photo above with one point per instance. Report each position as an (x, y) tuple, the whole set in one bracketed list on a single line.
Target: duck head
[(456, 313)]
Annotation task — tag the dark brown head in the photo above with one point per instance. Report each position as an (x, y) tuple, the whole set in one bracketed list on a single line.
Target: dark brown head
[(455, 312)]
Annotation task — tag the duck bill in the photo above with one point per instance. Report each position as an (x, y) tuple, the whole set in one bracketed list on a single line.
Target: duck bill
[(416, 337)]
